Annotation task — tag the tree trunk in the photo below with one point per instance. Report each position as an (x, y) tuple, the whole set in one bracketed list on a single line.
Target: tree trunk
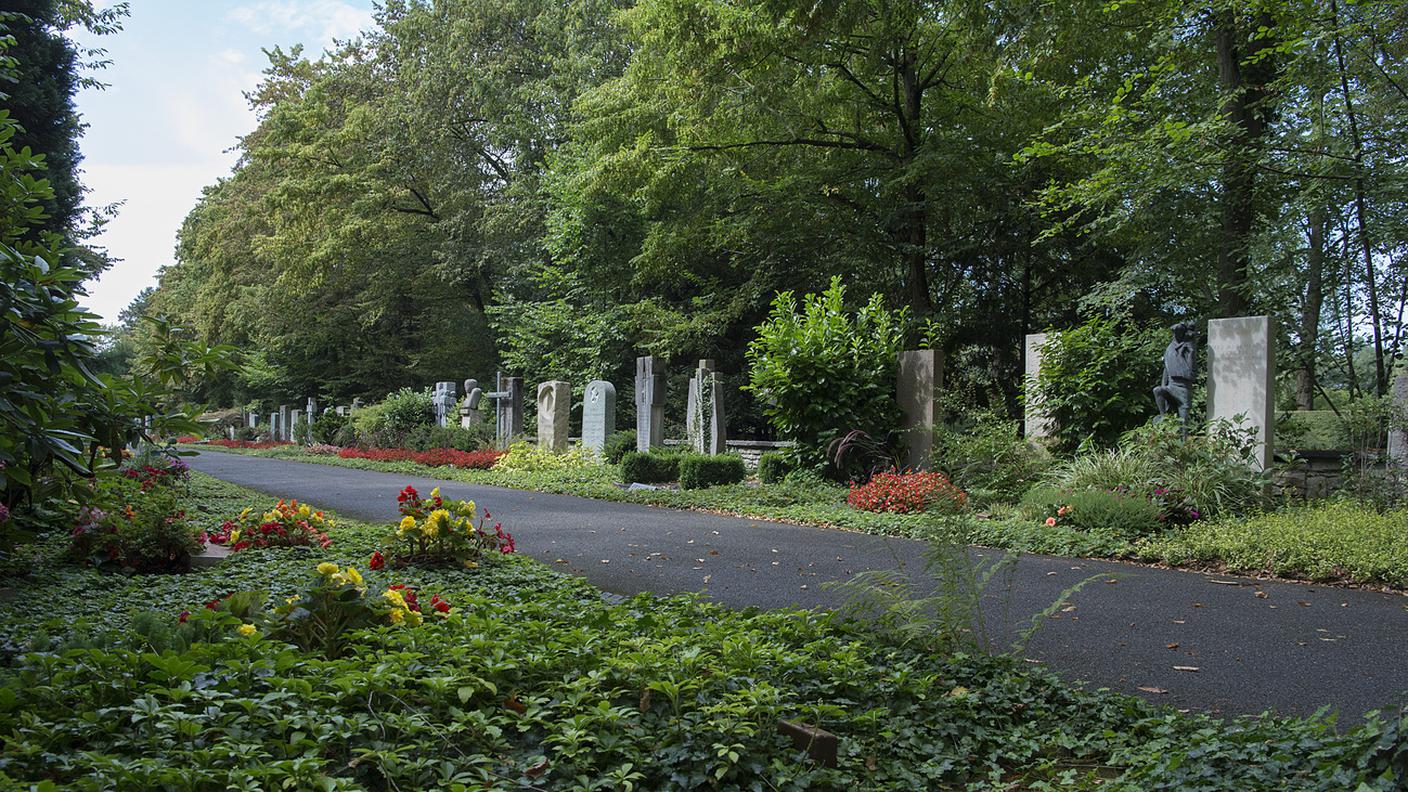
[(915, 215), (1310, 310)]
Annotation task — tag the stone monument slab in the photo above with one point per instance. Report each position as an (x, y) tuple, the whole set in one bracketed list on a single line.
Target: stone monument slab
[(1241, 378), (598, 414), (921, 374), (1037, 424), (554, 414), (650, 403)]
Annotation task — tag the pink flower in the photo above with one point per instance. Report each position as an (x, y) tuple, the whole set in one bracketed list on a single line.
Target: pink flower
[(1051, 521)]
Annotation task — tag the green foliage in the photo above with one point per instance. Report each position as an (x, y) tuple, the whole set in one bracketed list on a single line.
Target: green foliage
[(989, 459), (618, 444), (1112, 513), (525, 457), (438, 532), (700, 471), (134, 525), (773, 466), (821, 369), (406, 409), (1096, 379), (1330, 541), (326, 427), (650, 467), (451, 436)]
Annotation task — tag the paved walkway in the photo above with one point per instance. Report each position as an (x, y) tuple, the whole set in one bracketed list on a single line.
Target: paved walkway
[(1216, 643)]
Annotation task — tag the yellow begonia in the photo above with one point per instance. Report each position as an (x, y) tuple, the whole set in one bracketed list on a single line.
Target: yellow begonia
[(327, 568), (304, 511), (349, 575), (247, 630), (435, 522), (408, 523), (397, 616), (395, 597), (234, 537), (435, 493)]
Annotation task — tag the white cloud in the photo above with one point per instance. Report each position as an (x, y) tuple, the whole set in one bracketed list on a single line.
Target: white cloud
[(324, 20)]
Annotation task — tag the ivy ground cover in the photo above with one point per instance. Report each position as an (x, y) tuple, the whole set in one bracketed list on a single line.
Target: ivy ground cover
[(534, 682), (1327, 543)]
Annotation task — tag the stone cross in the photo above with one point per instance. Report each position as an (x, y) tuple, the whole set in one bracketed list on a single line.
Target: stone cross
[(1242, 376), (554, 414), (444, 401), (598, 414), (704, 412), (311, 408), (1037, 424), (921, 375), (650, 403), (508, 408), (469, 408)]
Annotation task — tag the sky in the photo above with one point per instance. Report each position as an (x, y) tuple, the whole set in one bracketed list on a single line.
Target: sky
[(174, 109)]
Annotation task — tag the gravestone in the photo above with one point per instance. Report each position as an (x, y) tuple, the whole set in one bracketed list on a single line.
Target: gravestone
[(1036, 424), (343, 410), (554, 413), (443, 397), (1397, 432), (705, 426), (274, 426), (508, 408), (294, 419), (469, 407), (1241, 378), (311, 409), (251, 420), (650, 403), (598, 414), (921, 374), (357, 404), (230, 432), (283, 423)]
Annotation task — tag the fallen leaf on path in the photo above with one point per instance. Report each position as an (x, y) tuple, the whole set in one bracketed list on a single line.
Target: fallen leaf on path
[(1303, 603), (1190, 669), (1261, 595), (1173, 645), (1178, 621), (706, 579), (1155, 690), (605, 560)]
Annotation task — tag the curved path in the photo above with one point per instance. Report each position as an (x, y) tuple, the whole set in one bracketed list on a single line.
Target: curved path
[(1252, 645)]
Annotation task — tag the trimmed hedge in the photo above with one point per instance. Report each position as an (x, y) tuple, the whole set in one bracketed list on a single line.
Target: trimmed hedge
[(650, 467), (618, 444), (698, 471), (774, 467)]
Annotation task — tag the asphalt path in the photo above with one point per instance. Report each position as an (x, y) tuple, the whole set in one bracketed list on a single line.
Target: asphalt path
[(1214, 643)]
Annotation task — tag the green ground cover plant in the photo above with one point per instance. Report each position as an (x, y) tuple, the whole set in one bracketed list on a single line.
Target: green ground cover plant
[(532, 681), (803, 497)]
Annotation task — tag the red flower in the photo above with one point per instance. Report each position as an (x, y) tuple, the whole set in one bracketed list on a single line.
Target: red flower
[(184, 615), (377, 561), (439, 605)]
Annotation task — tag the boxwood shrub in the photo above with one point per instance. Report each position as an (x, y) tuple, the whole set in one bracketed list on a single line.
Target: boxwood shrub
[(618, 444), (773, 466), (698, 471), (650, 467)]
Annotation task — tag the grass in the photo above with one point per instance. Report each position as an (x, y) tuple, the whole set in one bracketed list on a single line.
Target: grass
[(536, 683), (1327, 543)]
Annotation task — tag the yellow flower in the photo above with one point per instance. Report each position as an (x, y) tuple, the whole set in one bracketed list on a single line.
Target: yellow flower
[(435, 522), (247, 630), (408, 523), (234, 537), (246, 512), (435, 493), (413, 618), (470, 565), (327, 568), (349, 575), (395, 598), (304, 511), (397, 616)]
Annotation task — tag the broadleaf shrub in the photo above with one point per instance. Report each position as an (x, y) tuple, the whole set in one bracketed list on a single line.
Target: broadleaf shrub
[(907, 493), (698, 471), (990, 459), (131, 526), (618, 444), (525, 457), (650, 467), (820, 369), (1096, 379)]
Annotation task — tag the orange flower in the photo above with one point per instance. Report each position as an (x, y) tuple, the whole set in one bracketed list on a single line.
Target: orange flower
[(1051, 521)]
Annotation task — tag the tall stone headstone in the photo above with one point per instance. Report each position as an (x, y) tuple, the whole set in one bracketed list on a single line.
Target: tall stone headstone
[(310, 409), (598, 414), (1036, 424), (921, 375), (469, 407), (1241, 378), (251, 420), (294, 419), (705, 425), (274, 427), (508, 408), (1397, 430), (650, 403), (554, 414), (444, 400)]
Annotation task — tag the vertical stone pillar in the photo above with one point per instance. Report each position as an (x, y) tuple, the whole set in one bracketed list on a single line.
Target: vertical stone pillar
[(274, 426), (1036, 423), (921, 374), (699, 407), (284, 433), (650, 403), (554, 413), (1397, 431), (294, 419), (310, 409), (598, 414), (1241, 378)]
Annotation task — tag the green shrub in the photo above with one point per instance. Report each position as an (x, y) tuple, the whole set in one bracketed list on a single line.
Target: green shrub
[(650, 467), (407, 409), (773, 466), (424, 438), (618, 444), (990, 460), (698, 471), (525, 457), (1109, 512), (821, 369), (1096, 380), (327, 427)]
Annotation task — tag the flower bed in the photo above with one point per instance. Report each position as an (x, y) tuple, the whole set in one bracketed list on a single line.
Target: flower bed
[(288, 524), (250, 445), (435, 457), (906, 493)]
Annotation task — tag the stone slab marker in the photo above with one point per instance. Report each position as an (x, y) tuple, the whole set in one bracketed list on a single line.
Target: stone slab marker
[(705, 425), (508, 408), (294, 419), (274, 426), (1241, 378), (1397, 431), (921, 375), (1036, 424), (554, 413), (598, 414), (251, 420), (650, 403), (444, 399), (283, 423)]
